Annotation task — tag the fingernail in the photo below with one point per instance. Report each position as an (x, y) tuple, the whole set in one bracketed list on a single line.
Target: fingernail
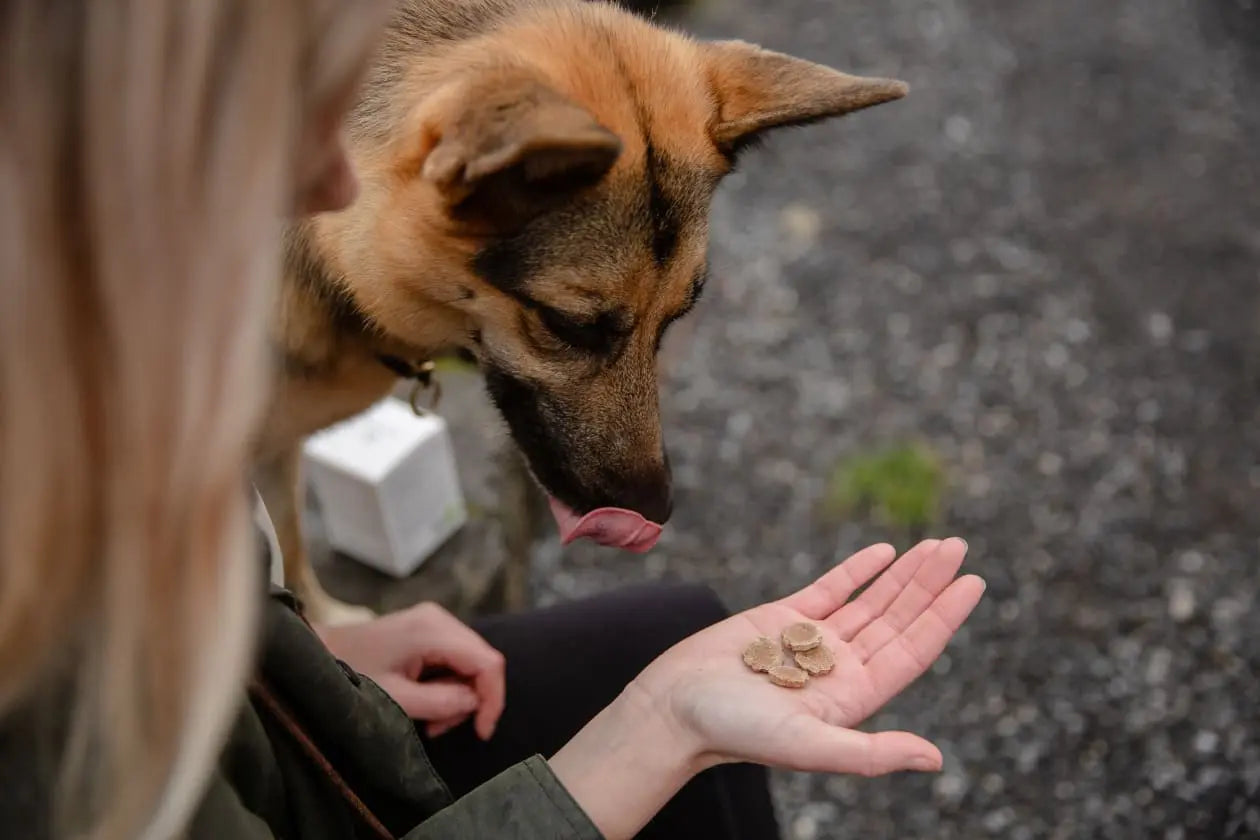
[(964, 542)]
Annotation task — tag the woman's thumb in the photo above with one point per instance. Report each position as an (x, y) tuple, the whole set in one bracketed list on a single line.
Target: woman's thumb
[(431, 700), (832, 749)]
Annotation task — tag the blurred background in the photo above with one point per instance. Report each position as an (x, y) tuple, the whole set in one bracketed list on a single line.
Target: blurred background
[(1022, 306)]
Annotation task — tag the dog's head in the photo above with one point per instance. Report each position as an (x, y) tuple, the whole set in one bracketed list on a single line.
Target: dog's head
[(549, 197)]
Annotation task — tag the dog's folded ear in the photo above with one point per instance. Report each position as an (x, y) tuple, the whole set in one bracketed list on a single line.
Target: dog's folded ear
[(758, 90), (502, 146)]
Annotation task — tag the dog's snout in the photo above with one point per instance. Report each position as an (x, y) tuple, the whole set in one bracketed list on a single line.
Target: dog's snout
[(656, 508), (651, 496)]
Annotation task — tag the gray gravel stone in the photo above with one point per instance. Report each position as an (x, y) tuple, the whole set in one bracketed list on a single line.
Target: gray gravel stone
[(1044, 264)]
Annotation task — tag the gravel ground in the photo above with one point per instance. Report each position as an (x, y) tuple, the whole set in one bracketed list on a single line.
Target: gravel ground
[(1043, 263)]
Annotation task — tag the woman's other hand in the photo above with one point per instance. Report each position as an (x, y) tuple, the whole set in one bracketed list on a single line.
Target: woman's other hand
[(398, 650)]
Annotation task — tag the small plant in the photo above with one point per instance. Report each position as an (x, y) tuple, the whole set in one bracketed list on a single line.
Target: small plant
[(901, 486), (453, 364)]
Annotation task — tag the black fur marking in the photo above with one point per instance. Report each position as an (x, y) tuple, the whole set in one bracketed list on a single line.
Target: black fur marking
[(530, 417), (505, 263), (663, 216), (662, 213), (508, 264)]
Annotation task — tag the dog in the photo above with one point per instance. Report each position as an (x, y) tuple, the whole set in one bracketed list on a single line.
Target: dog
[(535, 185)]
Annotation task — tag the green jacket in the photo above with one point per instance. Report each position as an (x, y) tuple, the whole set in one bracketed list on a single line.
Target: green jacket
[(269, 785), (318, 753)]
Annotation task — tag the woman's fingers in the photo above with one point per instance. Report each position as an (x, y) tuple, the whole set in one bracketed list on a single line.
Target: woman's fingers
[(491, 686), (849, 620), (431, 701), (903, 659), (438, 728), (827, 594), (454, 644), (937, 571)]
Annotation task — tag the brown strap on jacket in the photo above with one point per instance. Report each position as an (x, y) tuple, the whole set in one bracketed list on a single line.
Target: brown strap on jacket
[(259, 690)]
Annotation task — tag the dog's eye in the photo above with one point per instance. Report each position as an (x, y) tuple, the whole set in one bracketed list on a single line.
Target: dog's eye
[(593, 336)]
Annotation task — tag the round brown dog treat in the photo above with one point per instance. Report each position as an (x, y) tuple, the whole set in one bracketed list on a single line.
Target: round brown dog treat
[(788, 676), (762, 654), (818, 661), (803, 636)]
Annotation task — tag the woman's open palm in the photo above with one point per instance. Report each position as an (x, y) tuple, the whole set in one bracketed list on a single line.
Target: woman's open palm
[(883, 640)]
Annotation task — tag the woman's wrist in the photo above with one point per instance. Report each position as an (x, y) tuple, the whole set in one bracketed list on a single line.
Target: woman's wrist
[(628, 762)]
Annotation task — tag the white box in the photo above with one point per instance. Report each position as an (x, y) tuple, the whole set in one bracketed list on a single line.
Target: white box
[(387, 486)]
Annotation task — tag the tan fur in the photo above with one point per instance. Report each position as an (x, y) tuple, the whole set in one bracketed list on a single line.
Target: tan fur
[(522, 158)]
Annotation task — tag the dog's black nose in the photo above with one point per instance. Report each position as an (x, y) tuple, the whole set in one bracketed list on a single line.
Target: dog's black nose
[(650, 495), (657, 510)]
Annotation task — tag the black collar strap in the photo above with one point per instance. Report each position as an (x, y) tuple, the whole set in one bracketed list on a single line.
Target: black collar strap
[(422, 373), (422, 377)]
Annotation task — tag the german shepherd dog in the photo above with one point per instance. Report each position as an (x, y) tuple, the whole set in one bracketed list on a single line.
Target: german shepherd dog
[(535, 183)]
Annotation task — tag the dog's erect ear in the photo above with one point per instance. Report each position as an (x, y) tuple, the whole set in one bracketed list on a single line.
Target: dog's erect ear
[(503, 146), (758, 90)]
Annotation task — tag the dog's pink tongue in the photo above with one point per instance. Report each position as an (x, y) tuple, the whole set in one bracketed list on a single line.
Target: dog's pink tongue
[(613, 527)]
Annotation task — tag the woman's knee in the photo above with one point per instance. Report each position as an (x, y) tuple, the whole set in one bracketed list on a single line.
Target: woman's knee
[(672, 612), (701, 605)]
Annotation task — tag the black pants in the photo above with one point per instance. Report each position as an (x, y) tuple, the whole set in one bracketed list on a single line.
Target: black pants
[(593, 648)]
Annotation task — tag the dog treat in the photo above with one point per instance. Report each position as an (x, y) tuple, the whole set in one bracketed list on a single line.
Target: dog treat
[(803, 642), (803, 636), (788, 676), (817, 661), (762, 654)]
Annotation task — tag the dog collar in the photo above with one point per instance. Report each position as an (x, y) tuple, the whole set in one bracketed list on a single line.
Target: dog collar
[(421, 375)]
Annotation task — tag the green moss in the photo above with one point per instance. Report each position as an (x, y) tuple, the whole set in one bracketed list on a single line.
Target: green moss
[(901, 486), (453, 364)]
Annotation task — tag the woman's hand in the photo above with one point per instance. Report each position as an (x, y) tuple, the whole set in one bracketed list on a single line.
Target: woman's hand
[(698, 705), (398, 649), (883, 640)]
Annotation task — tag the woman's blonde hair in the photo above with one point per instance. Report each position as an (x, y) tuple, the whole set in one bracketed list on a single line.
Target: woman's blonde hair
[(147, 159)]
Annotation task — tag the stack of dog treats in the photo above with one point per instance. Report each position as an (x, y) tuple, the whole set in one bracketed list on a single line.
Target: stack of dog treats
[(806, 656)]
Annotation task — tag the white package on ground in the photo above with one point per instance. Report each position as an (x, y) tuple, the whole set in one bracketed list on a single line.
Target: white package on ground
[(387, 486)]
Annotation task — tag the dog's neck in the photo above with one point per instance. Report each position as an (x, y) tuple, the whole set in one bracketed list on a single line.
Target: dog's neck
[(321, 326)]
